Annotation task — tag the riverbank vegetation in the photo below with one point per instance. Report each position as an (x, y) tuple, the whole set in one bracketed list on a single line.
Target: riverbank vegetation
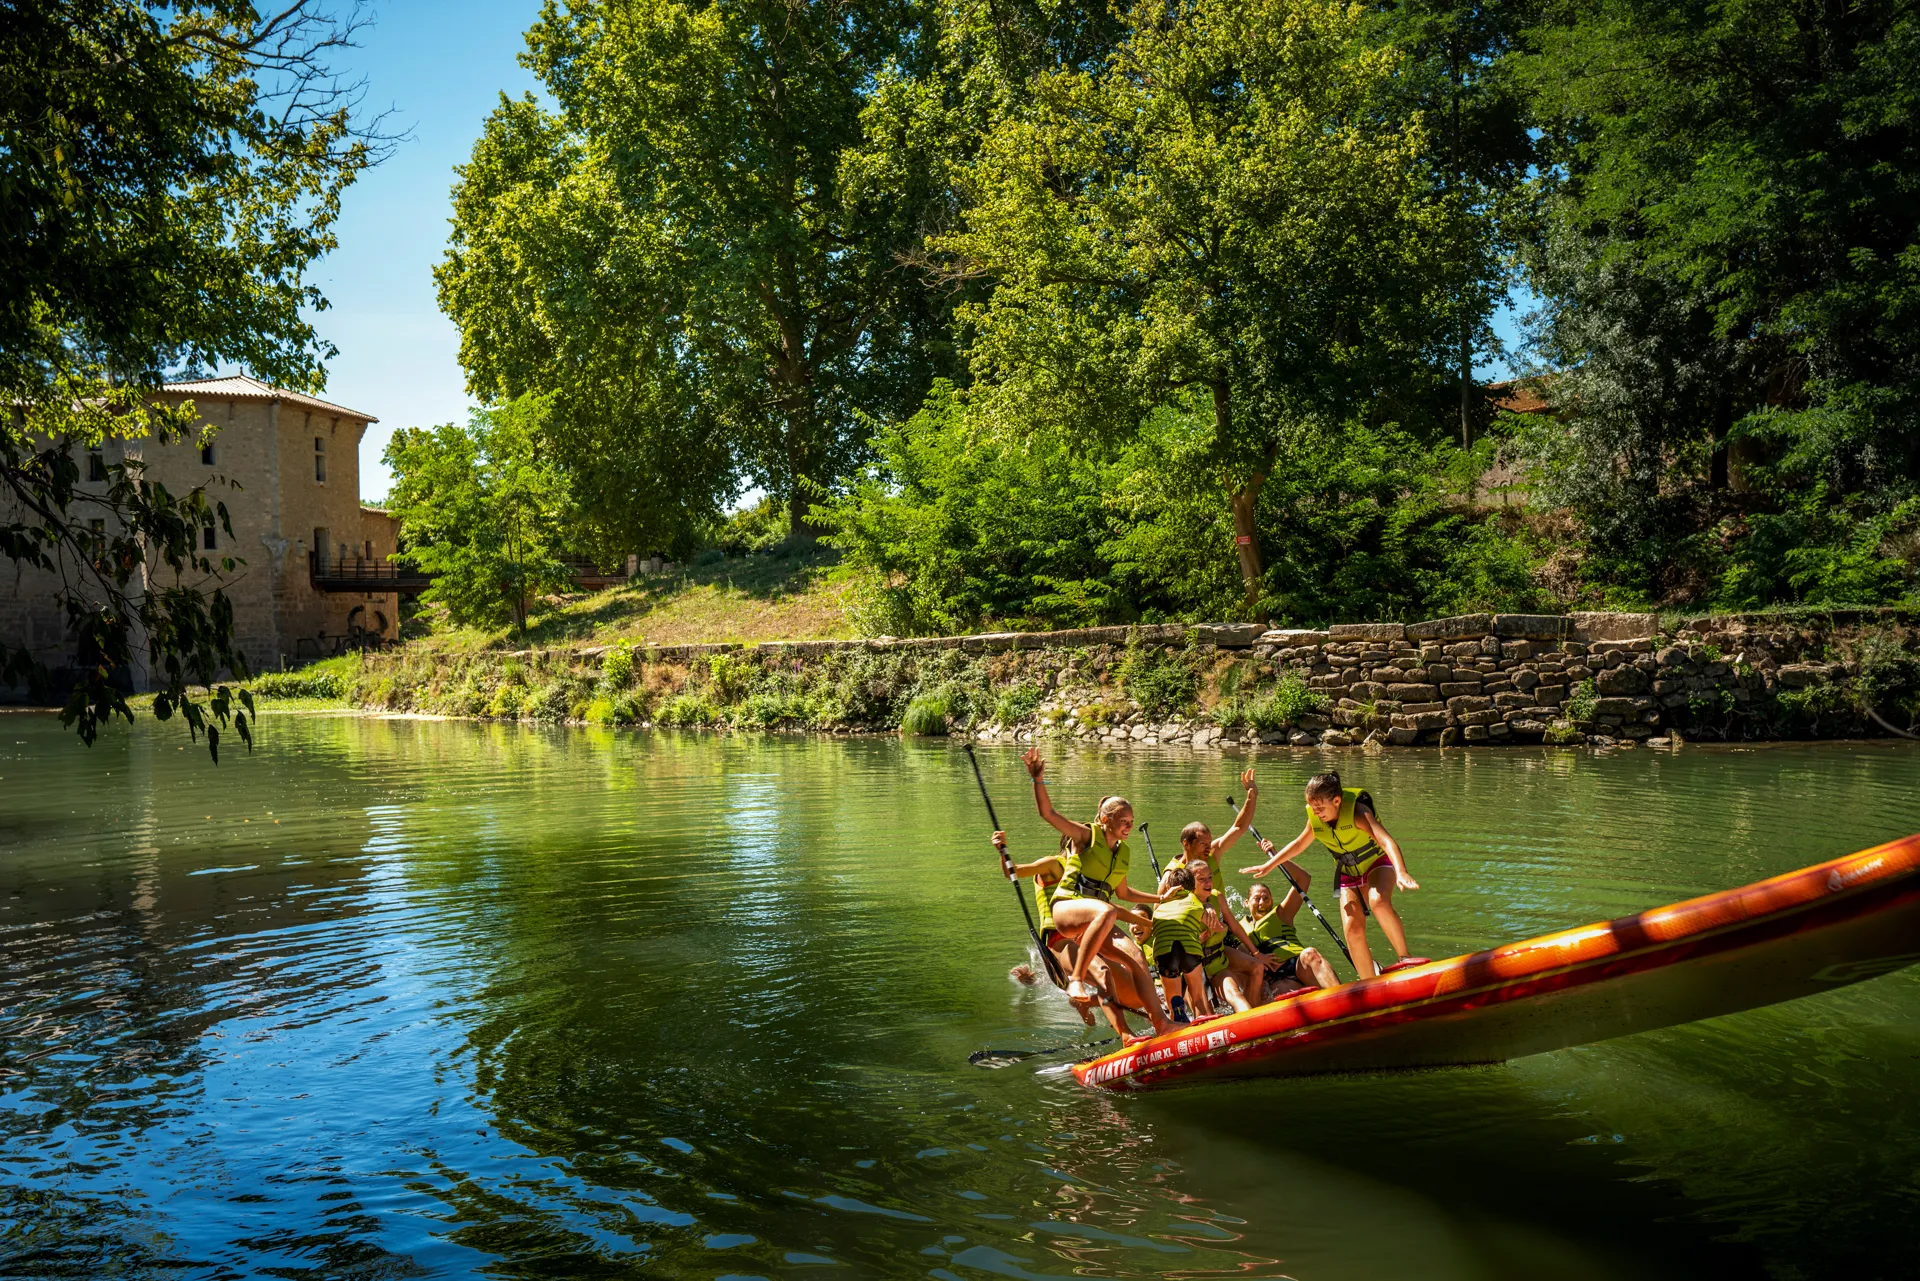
[(1047, 317)]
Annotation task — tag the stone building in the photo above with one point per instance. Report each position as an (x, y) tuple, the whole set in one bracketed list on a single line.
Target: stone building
[(315, 578)]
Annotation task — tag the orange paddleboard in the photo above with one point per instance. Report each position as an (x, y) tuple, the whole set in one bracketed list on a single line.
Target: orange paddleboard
[(1809, 931)]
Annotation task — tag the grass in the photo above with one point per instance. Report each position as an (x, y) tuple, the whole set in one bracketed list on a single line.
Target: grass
[(747, 600)]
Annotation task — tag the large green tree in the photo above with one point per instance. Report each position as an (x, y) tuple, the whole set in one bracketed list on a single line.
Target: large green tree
[(1732, 271), (482, 508), (1232, 202), (168, 172), (672, 252)]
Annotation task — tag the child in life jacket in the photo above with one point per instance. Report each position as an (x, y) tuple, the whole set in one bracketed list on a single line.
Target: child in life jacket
[(1370, 865), (1119, 990), (1177, 944)]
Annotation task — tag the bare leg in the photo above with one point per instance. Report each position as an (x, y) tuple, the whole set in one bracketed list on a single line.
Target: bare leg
[(1199, 1005), (1083, 919), (1314, 966), (1353, 923), (1116, 956), (1250, 972), (1230, 988), (1380, 884)]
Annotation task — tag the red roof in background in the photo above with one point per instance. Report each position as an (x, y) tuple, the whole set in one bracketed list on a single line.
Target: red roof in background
[(1520, 396)]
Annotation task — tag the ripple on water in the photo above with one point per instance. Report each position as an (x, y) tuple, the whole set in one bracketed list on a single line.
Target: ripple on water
[(415, 997)]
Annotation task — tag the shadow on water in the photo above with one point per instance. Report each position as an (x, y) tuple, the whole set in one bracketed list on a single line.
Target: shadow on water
[(394, 999)]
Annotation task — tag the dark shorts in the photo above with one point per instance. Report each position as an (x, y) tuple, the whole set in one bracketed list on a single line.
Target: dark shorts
[(1177, 961), (1289, 968)]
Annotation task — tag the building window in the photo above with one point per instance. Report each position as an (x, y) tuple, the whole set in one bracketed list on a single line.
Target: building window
[(320, 458), (206, 454), (96, 466), (369, 549), (99, 527), (206, 537)]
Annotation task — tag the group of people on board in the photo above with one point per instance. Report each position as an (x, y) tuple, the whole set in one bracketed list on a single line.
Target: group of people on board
[(1106, 942)]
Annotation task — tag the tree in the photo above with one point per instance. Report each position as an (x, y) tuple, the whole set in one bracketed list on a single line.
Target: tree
[(1229, 203), (167, 175), (482, 510), (1732, 272), (672, 249)]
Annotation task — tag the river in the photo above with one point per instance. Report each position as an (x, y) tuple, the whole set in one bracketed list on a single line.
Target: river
[(395, 998)]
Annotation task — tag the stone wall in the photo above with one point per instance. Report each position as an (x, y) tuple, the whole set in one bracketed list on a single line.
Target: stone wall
[(1602, 678)]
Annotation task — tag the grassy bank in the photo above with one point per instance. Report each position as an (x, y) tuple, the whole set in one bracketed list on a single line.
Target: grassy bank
[(745, 600)]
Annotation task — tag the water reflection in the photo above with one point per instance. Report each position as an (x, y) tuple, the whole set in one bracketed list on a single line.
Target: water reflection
[(405, 998)]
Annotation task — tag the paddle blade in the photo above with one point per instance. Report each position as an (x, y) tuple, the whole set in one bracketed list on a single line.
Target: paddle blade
[(998, 1058)]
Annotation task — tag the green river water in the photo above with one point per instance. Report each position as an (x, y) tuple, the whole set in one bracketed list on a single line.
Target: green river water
[(393, 999)]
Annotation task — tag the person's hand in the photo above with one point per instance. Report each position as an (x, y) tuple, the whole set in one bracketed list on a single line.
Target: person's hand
[(1035, 765), (1247, 784), (1405, 881), (1214, 923), (1000, 839), (1266, 847), (1273, 961)]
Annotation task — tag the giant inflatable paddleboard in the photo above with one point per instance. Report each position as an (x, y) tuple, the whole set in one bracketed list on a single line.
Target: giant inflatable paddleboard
[(1813, 930)]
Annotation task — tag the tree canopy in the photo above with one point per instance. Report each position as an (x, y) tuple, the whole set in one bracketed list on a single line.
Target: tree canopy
[(167, 175)]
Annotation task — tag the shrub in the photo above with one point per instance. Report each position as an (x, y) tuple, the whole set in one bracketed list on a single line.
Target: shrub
[(1584, 699), (311, 682), (688, 710), (1017, 702), (616, 667), (602, 711), (926, 714), (766, 710), (730, 677), (1160, 683)]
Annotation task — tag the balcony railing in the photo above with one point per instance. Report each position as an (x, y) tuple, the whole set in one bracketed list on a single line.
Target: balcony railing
[(360, 575)]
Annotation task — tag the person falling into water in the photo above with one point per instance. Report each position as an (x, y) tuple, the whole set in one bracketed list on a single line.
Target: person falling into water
[(1094, 860), (1118, 992), (1371, 866)]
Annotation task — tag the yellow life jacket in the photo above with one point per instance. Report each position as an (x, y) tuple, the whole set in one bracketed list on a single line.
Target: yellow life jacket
[(1353, 848), (1269, 933), (1181, 919), (1094, 873)]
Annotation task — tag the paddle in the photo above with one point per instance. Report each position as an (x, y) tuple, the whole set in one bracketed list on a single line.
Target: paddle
[(1007, 1058), (1046, 957), (1303, 895), (1151, 856)]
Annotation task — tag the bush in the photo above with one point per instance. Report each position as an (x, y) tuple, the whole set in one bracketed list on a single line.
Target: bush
[(1017, 702), (616, 667), (321, 680), (925, 715), (602, 711), (688, 710), (1160, 683), (1581, 704)]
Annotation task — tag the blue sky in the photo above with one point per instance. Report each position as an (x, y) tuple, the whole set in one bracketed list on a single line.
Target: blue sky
[(440, 67)]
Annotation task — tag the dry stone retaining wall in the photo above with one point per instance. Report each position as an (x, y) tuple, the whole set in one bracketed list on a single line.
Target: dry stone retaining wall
[(1477, 679)]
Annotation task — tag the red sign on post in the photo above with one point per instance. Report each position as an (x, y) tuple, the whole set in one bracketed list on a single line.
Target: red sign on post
[(1243, 540)]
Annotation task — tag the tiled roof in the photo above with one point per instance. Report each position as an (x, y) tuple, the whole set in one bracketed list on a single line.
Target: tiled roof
[(1520, 396), (241, 387)]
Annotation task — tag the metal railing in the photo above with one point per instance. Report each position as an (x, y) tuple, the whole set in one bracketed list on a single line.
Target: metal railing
[(361, 575)]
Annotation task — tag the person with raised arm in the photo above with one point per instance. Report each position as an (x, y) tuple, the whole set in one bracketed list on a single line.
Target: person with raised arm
[(1288, 961), (1094, 861), (1371, 866), (1118, 992)]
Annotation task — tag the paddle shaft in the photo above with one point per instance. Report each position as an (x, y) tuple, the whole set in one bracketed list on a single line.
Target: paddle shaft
[(1046, 957), (1151, 856), (1288, 873)]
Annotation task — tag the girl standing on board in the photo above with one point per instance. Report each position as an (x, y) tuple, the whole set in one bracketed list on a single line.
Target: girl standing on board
[(1370, 862)]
